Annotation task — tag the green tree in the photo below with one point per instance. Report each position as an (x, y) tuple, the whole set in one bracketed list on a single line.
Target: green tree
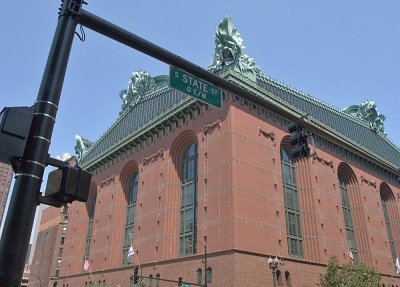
[(350, 275)]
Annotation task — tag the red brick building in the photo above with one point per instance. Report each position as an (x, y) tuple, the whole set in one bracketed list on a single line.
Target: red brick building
[(46, 261), (173, 175)]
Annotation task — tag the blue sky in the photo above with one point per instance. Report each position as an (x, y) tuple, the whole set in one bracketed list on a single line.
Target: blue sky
[(340, 52)]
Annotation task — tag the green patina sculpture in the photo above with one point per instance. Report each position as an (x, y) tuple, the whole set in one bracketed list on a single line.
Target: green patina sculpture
[(368, 112), (230, 52), (140, 83), (81, 146)]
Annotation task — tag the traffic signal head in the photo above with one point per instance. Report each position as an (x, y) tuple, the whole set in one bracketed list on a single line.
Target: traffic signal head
[(15, 125), (68, 183), (136, 275), (298, 141)]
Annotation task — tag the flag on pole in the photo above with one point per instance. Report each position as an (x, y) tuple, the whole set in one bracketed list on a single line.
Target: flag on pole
[(350, 254), (131, 252), (397, 265), (86, 264)]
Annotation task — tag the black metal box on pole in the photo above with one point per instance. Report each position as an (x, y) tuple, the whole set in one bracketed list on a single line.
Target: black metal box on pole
[(15, 124)]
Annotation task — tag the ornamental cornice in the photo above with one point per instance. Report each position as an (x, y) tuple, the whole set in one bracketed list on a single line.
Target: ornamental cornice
[(162, 125), (320, 103), (298, 113), (340, 145)]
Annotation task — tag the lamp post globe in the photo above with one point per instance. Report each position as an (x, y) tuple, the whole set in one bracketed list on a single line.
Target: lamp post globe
[(273, 265)]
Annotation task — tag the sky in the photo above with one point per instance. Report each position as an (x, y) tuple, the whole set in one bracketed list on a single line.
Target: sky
[(340, 52)]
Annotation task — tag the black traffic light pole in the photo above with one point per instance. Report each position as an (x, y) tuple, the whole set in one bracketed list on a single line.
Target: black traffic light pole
[(28, 178)]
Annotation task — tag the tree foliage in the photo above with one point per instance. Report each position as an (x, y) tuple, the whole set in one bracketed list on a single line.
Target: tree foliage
[(350, 275)]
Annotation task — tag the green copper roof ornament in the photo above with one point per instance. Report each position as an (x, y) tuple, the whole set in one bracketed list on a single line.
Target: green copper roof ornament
[(82, 145), (139, 84), (230, 52), (368, 112)]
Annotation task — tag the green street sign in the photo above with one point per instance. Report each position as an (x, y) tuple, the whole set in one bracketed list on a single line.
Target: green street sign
[(195, 87)]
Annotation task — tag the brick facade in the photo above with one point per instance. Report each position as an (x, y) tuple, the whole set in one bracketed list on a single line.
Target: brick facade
[(241, 211), (49, 247)]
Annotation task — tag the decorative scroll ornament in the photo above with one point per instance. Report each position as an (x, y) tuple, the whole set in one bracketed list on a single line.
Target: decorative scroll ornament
[(217, 123), (230, 52), (266, 133), (367, 181), (159, 154), (108, 181), (82, 145), (368, 112), (140, 83)]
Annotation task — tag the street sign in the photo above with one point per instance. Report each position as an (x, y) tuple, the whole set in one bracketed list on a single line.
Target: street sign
[(195, 87)]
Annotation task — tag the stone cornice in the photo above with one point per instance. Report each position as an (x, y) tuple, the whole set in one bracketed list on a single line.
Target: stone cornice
[(163, 124), (340, 145), (315, 126)]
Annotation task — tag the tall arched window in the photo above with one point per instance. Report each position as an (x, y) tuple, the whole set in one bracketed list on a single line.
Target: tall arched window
[(292, 208), (158, 280), (348, 219), (188, 210), (91, 207), (388, 200), (131, 196)]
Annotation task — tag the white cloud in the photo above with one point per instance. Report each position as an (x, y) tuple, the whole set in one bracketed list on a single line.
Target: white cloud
[(64, 156)]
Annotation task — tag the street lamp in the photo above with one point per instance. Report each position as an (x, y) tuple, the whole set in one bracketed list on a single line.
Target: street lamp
[(273, 265), (205, 258)]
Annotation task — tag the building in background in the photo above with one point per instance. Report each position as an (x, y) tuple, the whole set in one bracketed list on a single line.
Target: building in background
[(210, 194), (46, 262), (6, 173)]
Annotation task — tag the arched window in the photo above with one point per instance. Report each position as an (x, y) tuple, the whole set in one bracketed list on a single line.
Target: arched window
[(388, 200), (131, 284), (188, 210), (199, 276), (91, 204), (151, 280), (209, 275), (158, 280), (292, 208), (131, 196), (347, 214)]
